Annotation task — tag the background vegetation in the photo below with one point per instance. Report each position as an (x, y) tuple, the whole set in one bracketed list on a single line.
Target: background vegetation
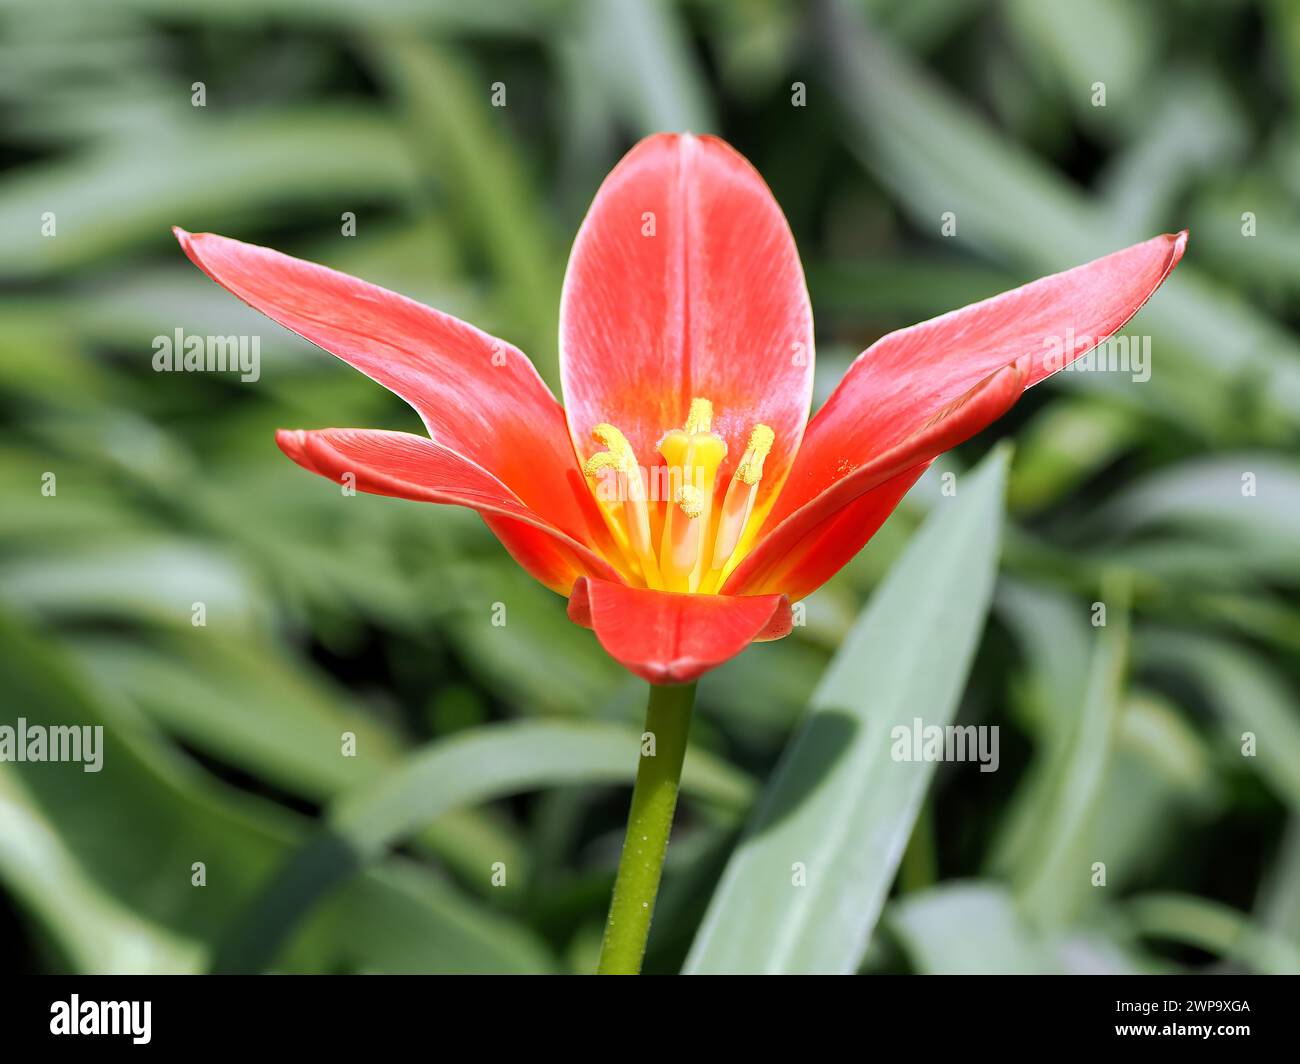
[(480, 745)]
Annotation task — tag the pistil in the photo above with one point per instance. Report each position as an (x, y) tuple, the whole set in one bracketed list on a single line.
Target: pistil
[(693, 455)]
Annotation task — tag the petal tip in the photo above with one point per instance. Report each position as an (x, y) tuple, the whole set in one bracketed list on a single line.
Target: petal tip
[(189, 244), (293, 442)]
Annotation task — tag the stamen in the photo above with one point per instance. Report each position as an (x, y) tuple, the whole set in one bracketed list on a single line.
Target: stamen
[(638, 517), (615, 444), (681, 545), (601, 460), (686, 546), (635, 527), (741, 492), (750, 469)]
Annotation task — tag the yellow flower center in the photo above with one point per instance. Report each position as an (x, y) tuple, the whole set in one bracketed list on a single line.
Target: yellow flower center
[(667, 521)]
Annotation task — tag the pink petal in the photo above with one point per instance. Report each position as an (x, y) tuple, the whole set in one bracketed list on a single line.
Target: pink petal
[(404, 466), (477, 395), (711, 304), (817, 540), (898, 384)]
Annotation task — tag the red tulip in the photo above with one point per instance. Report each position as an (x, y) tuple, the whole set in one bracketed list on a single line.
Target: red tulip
[(681, 498)]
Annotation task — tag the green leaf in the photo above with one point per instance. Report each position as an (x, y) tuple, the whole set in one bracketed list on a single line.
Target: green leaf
[(201, 175), (498, 760), (1158, 759), (839, 806), (1053, 637), (1075, 46), (506, 17), (241, 701), (1278, 905), (1066, 442), (864, 288), (1215, 928), (1059, 873), (135, 827), (94, 931), (472, 767), (969, 927), (1248, 696), (146, 578), (250, 704), (1248, 501), (646, 66), (966, 929)]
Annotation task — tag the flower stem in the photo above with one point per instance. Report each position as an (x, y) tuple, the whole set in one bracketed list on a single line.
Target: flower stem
[(654, 798)]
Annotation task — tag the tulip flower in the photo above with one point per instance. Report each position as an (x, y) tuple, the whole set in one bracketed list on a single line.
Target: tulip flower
[(681, 498)]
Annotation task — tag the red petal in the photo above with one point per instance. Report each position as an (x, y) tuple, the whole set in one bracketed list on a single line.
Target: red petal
[(812, 544), (477, 395), (410, 467), (899, 382), (712, 304), (830, 544), (548, 556), (668, 638)]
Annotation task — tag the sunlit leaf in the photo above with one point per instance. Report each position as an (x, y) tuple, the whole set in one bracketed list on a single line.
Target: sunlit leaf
[(805, 886)]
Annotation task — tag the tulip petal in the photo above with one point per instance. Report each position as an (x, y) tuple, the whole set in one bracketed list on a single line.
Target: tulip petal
[(405, 466), (668, 638), (685, 281), (477, 395), (807, 548), (898, 383)]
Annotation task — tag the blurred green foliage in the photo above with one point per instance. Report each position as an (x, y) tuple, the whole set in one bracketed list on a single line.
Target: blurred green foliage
[(481, 746)]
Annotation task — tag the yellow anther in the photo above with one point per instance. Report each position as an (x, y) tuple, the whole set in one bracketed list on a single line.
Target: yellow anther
[(750, 469), (700, 416), (601, 460), (631, 528), (738, 505), (690, 500), (616, 446)]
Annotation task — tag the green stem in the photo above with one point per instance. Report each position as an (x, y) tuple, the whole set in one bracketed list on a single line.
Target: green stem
[(654, 798)]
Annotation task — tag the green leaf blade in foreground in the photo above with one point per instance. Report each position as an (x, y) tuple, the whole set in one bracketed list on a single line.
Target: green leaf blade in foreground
[(467, 769), (838, 805)]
